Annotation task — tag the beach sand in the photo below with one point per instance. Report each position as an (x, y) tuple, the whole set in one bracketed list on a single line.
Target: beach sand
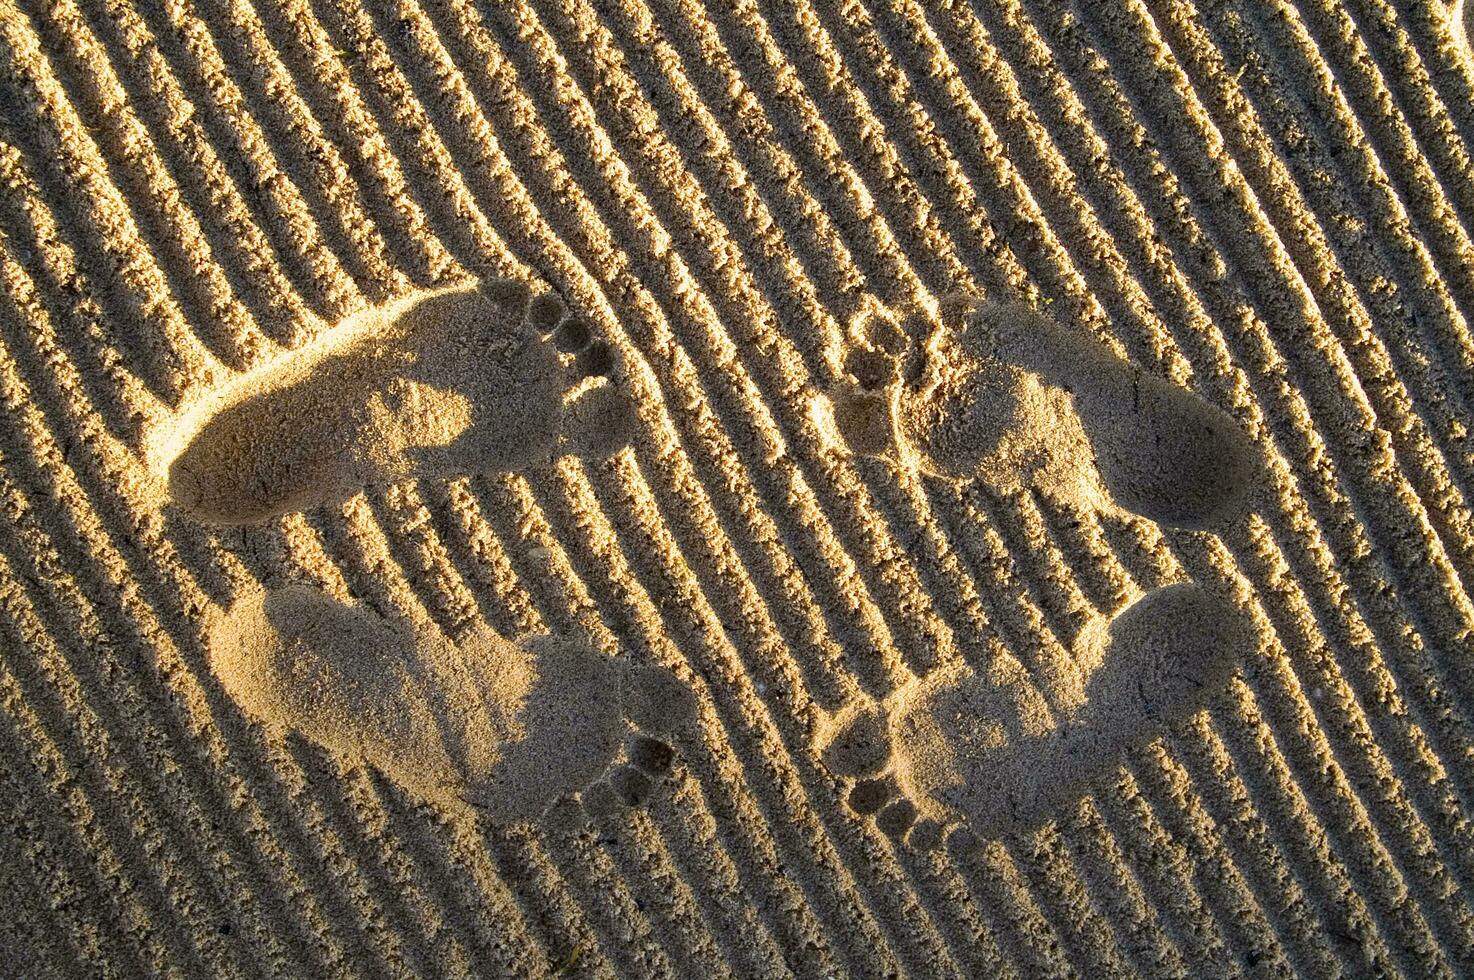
[(644, 488)]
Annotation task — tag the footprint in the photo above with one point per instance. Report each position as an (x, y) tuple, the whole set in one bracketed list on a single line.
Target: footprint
[(1013, 400), (505, 727), (962, 748), (470, 379)]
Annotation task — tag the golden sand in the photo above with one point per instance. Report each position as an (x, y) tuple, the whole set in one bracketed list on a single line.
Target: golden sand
[(654, 488)]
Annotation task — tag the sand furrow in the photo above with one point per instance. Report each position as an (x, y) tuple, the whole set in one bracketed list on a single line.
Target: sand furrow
[(132, 709), (1028, 634), (187, 53), (1439, 627), (1365, 355), (1189, 908), (1266, 206), (1295, 902), (1149, 574), (1027, 638), (854, 852), (766, 123), (1039, 636), (816, 88), (268, 877), (917, 169), (172, 229), (1136, 929), (685, 384), (138, 925), (1422, 166), (1439, 630), (1432, 34), (75, 178), (290, 151), (562, 604), (1054, 879), (43, 850), (1359, 828), (76, 728), (294, 55), (238, 240), (1087, 279), (1340, 435), (459, 216), (1293, 861), (361, 551), (1437, 480), (1393, 88), (561, 928)]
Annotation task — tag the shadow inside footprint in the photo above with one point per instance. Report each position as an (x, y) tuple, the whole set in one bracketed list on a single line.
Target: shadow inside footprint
[(1161, 451), (1006, 397), (991, 751), (462, 380), (506, 727)]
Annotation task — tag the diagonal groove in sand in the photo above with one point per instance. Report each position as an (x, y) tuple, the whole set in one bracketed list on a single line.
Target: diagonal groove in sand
[(716, 188), (1417, 592)]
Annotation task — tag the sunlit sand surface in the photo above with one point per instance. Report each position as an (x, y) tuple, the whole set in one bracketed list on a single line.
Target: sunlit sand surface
[(659, 489)]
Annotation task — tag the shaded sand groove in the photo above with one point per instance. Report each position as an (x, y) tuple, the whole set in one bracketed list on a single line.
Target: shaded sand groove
[(714, 190)]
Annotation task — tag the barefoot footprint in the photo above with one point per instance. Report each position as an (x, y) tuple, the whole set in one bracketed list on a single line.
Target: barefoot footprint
[(468, 379), (1014, 401), (509, 728), (988, 751)]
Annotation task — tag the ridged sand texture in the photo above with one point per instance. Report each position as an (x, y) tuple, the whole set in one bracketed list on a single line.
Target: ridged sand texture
[(1266, 204)]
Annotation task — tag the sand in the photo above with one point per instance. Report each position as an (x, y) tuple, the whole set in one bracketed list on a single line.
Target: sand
[(654, 488), (506, 729), (441, 384)]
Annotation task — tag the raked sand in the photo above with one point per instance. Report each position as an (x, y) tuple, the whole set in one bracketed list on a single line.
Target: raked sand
[(641, 488)]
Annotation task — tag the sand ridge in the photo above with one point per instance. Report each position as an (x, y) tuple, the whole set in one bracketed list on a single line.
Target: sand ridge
[(1265, 203)]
